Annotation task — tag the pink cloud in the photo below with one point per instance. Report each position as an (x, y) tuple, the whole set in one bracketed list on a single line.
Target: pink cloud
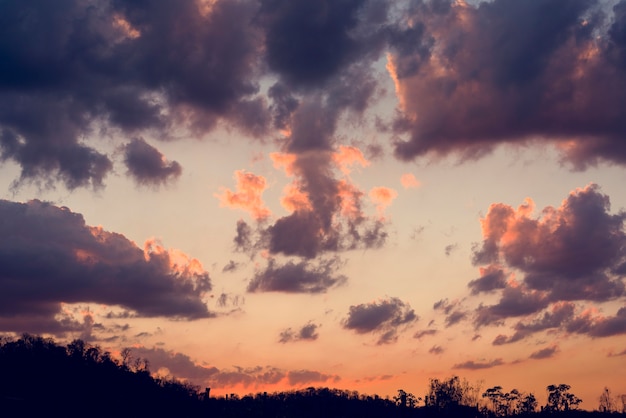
[(249, 188), (382, 198), (409, 181)]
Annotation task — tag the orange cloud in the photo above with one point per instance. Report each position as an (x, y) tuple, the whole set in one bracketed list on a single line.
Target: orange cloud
[(347, 156), (382, 198), (409, 181), (285, 161), (179, 262), (350, 197), (250, 187), (295, 199)]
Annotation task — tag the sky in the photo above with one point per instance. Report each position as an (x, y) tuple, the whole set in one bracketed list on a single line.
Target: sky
[(263, 195)]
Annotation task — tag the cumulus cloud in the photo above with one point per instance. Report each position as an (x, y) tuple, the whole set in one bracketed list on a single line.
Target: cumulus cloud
[(247, 196), (49, 256), (103, 67), (307, 332), (384, 317), (425, 332), (557, 316), (326, 206), (544, 353), (303, 377), (308, 43), (478, 365), (436, 349), (178, 364), (298, 277), (491, 278), (461, 88), (573, 252), (453, 311), (147, 165)]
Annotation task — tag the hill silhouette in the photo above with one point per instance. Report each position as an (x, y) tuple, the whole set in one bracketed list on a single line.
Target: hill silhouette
[(40, 378)]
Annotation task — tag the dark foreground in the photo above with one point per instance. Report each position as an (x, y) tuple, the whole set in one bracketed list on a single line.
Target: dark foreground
[(40, 378)]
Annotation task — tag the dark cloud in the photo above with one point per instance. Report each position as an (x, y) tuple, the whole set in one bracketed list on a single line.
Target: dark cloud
[(436, 349), (255, 377), (559, 81), (491, 278), (450, 248), (301, 277), (147, 165), (230, 267), (49, 256), (599, 326), (453, 311), (302, 377), (559, 315), (515, 302), (424, 332), (569, 253), (122, 68), (384, 318), (307, 332), (321, 226), (179, 365), (308, 42), (244, 239), (478, 365), (544, 353)]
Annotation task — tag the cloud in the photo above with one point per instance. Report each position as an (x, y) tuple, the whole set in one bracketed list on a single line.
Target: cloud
[(436, 349), (107, 72), (382, 198), (302, 377), (147, 165), (424, 332), (301, 277), (327, 214), (249, 187), (307, 332), (179, 365), (308, 43), (478, 365), (450, 248), (559, 315), (384, 317), (453, 311), (598, 325), (572, 252), (557, 83), (544, 353), (409, 181), (49, 256), (514, 302), (491, 278)]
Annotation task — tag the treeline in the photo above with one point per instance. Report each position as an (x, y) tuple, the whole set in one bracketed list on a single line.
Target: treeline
[(39, 378)]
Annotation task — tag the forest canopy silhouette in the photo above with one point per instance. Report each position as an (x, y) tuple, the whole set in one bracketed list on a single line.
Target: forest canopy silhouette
[(41, 377)]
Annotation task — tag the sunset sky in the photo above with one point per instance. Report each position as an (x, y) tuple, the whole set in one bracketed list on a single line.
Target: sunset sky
[(262, 195)]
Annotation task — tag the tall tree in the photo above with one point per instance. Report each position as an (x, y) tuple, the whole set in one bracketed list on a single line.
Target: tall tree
[(560, 399)]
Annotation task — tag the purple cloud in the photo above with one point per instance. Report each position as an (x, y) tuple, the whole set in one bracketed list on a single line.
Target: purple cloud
[(50, 256), (383, 317)]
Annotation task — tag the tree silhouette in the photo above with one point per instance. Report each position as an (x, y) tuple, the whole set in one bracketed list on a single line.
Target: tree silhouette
[(606, 401), (560, 399), (528, 404)]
